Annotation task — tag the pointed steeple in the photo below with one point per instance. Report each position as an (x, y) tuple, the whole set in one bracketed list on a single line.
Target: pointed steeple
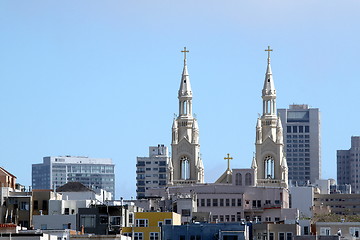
[(269, 87), (269, 91), (185, 86)]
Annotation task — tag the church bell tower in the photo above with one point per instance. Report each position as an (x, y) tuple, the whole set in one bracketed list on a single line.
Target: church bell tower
[(270, 161), (186, 165)]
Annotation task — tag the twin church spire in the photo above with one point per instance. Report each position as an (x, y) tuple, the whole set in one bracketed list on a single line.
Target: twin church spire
[(269, 162)]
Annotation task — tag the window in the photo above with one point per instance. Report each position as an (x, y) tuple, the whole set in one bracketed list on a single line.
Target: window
[(238, 179), (154, 236), (354, 231), (227, 201), (289, 236), (88, 221), (202, 202), (281, 236), (233, 202), (138, 236), (307, 129), (24, 206), (239, 202), (185, 212), (215, 202), (66, 211), (221, 202), (168, 221), (325, 231), (269, 167), (271, 236), (141, 223), (248, 179), (104, 219), (288, 129), (115, 220), (44, 205), (185, 168), (301, 129), (131, 218), (306, 230), (295, 130), (208, 202), (36, 205)]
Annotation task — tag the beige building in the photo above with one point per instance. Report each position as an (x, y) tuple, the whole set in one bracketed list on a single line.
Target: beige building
[(340, 204), (275, 231)]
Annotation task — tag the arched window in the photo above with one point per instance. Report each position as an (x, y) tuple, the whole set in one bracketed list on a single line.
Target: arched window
[(269, 167), (185, 168), (238, 179), (248, 179)]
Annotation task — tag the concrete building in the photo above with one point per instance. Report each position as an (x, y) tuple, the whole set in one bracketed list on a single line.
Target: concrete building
[(107, 218), (275, 231), (302, 137), (348, 165), (340, 204), (151, 172), (345, 230), (208, 231), (92, 172), (186, 166)]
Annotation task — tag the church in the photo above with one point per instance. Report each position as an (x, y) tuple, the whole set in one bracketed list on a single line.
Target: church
[(259, 193)]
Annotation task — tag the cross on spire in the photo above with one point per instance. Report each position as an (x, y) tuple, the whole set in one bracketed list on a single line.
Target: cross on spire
[(268, 50), (185, 51), (228, 158)]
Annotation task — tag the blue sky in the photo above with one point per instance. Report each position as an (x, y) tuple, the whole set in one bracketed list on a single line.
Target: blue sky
[(100, 78)]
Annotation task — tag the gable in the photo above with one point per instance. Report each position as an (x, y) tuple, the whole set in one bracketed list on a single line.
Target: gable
[(184, 147)]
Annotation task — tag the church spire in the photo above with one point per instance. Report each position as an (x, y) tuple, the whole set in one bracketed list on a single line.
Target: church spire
[(186, 160), (185, 93), (269, 91)]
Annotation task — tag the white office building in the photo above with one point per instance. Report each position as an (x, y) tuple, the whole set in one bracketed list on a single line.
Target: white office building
[(95, 173), (151, 172)]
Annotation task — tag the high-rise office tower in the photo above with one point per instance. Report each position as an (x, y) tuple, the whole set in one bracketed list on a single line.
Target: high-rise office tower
[(348, 167), (57, 171), (151, 172), (302, 137)]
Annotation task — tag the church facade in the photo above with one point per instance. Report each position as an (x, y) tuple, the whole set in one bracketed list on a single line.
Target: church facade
[(258, 193)]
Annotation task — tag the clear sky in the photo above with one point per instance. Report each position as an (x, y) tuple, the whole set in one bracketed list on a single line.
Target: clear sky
[(100, 78)]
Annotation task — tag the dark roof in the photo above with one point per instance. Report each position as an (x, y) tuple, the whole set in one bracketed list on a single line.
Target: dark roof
[(73, 187)]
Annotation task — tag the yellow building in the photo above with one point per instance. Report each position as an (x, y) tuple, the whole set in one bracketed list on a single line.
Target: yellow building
[(147, 225)]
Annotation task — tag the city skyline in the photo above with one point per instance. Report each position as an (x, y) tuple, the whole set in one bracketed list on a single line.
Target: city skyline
[(101, 79)]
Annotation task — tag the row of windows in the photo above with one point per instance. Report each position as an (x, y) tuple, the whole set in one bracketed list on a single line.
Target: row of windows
[(142, 170), (298, 154), (297, 136), (298, 145), (297, 150), (219, 202), (297, 129), (298, 141)]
